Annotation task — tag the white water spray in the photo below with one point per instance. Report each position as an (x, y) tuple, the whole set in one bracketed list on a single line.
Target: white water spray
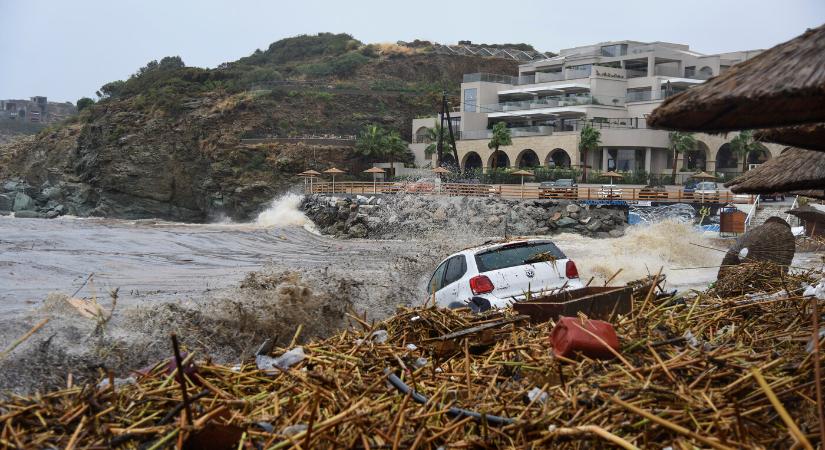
[(284, 212)]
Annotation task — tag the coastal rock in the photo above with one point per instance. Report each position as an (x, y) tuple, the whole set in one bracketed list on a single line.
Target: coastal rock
[(566, 222), (573, 208), (22, 202)]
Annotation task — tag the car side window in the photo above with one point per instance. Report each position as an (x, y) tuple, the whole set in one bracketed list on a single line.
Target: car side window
[(456, 268), (437, 280)]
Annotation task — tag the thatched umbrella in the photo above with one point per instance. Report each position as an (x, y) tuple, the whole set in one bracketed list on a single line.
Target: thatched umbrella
[(523, 173), (813, 193), (779, 87), (814, 219), (810, 137), (440, 171), (612, 174), (374, 171), (772, 243), (334, 171), (795, 169), (703, 176), (311, 174)]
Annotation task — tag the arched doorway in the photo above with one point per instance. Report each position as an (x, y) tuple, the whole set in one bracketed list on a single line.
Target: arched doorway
[(705, 72), (759, 156), (422, 135), (697, 159), (527, 158), (499, 160), (558, 158), (725, 159), (472, 161)]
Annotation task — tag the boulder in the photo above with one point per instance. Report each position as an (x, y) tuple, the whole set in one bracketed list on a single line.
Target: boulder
[(493, 221), (6, 202), (440, 214), (593, 225), (22, 202), (556, 216), (573, 208), (565, 222), (357, 231), (28, 214), (616, 233)]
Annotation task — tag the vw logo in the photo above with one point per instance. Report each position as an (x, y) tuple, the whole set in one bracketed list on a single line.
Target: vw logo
[(530, 273)]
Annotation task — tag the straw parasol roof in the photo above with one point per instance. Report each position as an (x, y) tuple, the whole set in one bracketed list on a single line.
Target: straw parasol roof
[(374, 170), (441, 170), (781, 86), (703, 176), (795, 169), (771, 242), (810, 137), (612, 174), (522, 172), (334, 170), (818, 193), (808, 212), (309, 173)]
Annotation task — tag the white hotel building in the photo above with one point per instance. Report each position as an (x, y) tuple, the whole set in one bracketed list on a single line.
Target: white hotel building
[(614, 85)]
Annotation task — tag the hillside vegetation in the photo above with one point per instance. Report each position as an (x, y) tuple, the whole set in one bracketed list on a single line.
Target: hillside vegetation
[(166, 142)]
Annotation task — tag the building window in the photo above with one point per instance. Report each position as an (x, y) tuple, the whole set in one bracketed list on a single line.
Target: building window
[(614, 50), (470, 99)]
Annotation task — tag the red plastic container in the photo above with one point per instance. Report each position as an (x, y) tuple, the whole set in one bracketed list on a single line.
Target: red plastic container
[(569, 337)]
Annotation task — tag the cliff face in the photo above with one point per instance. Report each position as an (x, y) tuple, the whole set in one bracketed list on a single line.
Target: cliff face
[(168, 143)]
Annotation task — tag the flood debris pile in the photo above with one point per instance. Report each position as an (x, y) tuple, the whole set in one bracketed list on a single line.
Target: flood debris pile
[(691, 371), (401, 216)]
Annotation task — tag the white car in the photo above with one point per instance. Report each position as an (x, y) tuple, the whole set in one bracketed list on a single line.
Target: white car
[(497, 275)]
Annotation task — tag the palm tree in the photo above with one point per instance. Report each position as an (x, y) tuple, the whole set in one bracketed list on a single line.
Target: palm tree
[(370, 142), (395, 148), (680, 142), (432, 137), (501, 136), (589, 139), (742, 145)]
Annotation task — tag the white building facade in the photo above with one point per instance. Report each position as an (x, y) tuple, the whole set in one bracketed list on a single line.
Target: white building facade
[(611, 85)]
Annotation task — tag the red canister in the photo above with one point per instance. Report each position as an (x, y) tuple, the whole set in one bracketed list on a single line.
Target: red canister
[(569, 336)]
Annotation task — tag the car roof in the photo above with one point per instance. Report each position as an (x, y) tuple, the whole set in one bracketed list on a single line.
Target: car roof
[(498, 244)]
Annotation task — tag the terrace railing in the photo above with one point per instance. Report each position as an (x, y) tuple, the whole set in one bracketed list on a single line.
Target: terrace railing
[(614, 193)]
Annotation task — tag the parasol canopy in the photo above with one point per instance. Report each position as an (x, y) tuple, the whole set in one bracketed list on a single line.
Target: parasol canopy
[(309, 173), (782, 86), (440, 170), (795, 169), (522, 172), (808, 212), (810, 137), (703, 176), (374, 170), (334, 171)]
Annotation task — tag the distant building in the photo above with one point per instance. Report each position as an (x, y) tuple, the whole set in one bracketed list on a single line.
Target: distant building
[(614, 86), (36, 109)]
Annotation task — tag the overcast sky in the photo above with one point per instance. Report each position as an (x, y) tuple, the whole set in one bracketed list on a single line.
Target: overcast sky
[(68, 49)]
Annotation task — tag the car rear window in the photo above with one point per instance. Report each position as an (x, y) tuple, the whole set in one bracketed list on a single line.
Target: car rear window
[(516, 255)]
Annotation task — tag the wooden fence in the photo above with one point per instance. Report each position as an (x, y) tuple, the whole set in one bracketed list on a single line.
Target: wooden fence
[(516, 191)]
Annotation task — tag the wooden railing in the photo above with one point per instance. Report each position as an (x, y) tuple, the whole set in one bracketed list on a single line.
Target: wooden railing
[(515, 191)]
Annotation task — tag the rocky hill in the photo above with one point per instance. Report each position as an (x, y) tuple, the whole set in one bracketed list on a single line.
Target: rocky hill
[(167, 142)]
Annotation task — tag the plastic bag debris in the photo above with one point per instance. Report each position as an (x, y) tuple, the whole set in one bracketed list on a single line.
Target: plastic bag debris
[(810, 347), (380, 336), (294, 429), (104, 384), (282, 362), (817, 291), (411, 347), (537, 393), (420, 362)]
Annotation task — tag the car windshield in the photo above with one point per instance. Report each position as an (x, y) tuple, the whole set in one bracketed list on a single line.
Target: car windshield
[(517, 254), (564, 182), (706, 186)]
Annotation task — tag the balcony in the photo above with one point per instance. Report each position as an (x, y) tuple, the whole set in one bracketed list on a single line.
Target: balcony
[(542, 130), (553, 102), (538, 77)]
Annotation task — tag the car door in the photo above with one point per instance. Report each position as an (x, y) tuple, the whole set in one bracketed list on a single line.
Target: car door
[(453, 275), (436, 282)]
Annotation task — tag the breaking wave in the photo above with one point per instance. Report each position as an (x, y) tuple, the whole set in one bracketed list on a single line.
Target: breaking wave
[(284, 211)]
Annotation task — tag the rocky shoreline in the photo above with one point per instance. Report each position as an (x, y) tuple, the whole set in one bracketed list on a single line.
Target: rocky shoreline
[(403, 216)]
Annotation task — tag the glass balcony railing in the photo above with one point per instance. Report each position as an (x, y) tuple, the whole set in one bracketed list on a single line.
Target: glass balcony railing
[(646, 96), (541, 130), (554, 102), (538, 77)]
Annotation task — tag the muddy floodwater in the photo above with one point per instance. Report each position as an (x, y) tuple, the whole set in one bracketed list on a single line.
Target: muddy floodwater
[(194, 279)]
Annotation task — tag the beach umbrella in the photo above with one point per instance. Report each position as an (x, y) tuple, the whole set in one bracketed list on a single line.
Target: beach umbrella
[(782, 86), (374, 171), (703, 176), (794, 170), (809, 137), (334, 171), (612, 175), (311, 174), (523, 173), (440, 171)]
